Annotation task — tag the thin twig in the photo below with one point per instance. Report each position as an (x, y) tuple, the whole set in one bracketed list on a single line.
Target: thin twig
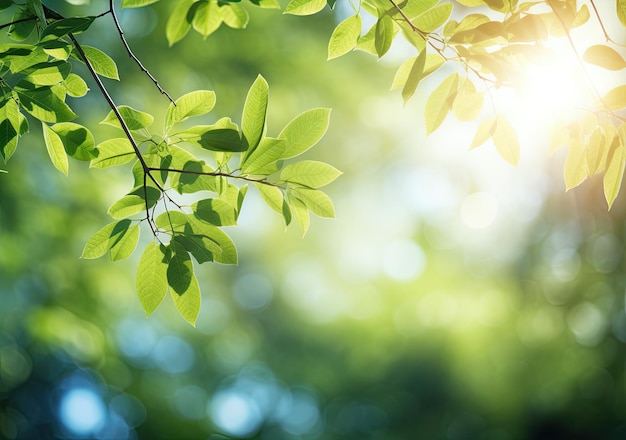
[(132, 55), (595, 10), (215, 174), (17, 21)]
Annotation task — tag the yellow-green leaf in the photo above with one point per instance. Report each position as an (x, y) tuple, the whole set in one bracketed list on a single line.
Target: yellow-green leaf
[(344, 37), (621, 11), (55, 148), (188, 302), (304, 7), (505, 139), (614, 175), (576, 169), (484, 132), (440, 102), (604, 56), (151, 277), (615, 99)]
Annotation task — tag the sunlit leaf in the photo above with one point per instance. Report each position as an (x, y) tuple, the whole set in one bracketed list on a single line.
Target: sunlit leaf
[(614, 175), (304, 7), (75, 86), (576, 169), (207, 17), (134, 202), (54, 145), (101, 62), (235, 16), (621, 11), (194, 103), (137, 3), (434, 18), (77, 140), (113, 152), (345, 36), (254, 112), (468, 102), (134, 119), (440, 102), (310, 173), (485, 130), (383, 35), (615, 99), (215, 211), (263, 160), (151, 277), (104, 239), (304, 131), (604, 56), (125, 246), (180, 269), (178, 24), (188, 301), (505, 139)]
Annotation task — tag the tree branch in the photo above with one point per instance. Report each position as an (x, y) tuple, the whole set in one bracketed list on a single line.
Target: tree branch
[(132, 55)]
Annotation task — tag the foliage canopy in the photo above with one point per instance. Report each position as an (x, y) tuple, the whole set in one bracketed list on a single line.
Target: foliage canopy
[(190, 181)]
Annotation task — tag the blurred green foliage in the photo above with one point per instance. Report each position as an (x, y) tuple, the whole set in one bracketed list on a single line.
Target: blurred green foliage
[(454, 297)]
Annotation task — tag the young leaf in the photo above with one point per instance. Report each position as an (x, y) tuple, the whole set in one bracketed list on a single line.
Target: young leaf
[(125, 246), (77, 140), (235, 16), (188, 302), (200, 247), (304, 131), (104, 239), (505, 140), (151, 277), (224, 135), (135, 119), (134, 202), (604, 56), (113, 152), (254, 112), (384, 34), (48, 73), (61, 28), (440, 102), (207, 17), (54, 145), (576, 169), (485, 130), (101, 62), (310, 173), (414, 77), (434, 18), (75, 86), (178, 24), (300, 212), (468, 103), (192, 104), (344, 37), (263, 160), (316, 201), (304, 7)]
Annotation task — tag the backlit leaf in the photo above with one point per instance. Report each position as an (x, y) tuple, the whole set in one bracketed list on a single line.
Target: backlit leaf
[(101, 62), (44, 104), (104, 239), (151, 277), (614, 175), (440, 102), (310, 173), (304, 131), (113, 152), (125, 246), (621, 11), (505, 139), (195, 103), (134, 202), (604, 56), (576, 169), (134, 119), (207, 17), (180, 269), (615, 99), (77, 140), (9, 127), (178, 24), (54, 145), (344, 37), (137, 3), (188, 302), (434, 18), (383, 35), (304, 7), (254, 112), (263, 160), (484, 132), (215, 211)]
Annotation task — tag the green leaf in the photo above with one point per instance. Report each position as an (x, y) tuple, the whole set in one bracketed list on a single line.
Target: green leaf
[(273, 197), (60, 28), (614, 175), (575, 169), (134, 119), (44, 104), (134, 202), (484, 132), (384, 34), (304, 131), (125, 246), (190, 182), (254, 113), (104, 239), (178, 24), (151, 277), (207, 17), (113, 152), (195, 103), (621, 11), (615, 99), (77, 140), (345, 36), (440, 102), (304, 7), (179, 269), (48, 73), (75, 86), (316, 201), (21, 28), (300, 212), (228, 253), (604, 56), (234, 16), (505, 140), (264, 159), (468, 102), (215, 211), (101, 62), (310, 173), (200, 247), (9, 127), (434, 18), (188, 302), (137, 3), (54, 145), (414, 77), (224, 135)]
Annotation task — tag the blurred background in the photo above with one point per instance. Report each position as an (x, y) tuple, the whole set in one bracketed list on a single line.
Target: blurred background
[(453, 297)]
